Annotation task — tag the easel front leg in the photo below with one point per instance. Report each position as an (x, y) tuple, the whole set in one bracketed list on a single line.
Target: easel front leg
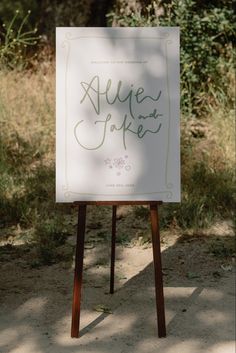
[(79, 256), (113, 249), (158, 271)]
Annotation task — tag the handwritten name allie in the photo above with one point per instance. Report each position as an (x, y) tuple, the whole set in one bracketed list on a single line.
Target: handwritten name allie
[(132, 122)]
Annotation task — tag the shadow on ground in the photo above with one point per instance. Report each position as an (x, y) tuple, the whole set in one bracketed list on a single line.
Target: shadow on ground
[(199, 296)]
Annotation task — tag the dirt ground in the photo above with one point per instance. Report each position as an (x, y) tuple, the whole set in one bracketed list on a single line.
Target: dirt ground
[(35, 302)]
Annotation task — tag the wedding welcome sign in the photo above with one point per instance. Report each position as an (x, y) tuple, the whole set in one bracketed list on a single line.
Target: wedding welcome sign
[(117, 114)]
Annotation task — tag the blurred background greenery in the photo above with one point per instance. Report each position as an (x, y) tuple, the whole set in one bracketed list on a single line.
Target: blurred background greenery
[(27, 113)]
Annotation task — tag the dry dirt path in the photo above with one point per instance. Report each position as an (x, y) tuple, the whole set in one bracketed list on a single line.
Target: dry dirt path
[(35, 303)]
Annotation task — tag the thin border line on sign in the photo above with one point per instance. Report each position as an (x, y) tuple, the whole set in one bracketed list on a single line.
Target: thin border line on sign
[(66, 43)]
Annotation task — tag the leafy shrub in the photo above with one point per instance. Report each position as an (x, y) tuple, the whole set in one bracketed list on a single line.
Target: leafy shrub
[(8, 11), (47, 14), (207, 32), (15, 42), (49, 235), (222, 247), (206, 197)]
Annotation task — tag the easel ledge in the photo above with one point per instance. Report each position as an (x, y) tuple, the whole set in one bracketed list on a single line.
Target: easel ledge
[(82, 207), (116, 203)]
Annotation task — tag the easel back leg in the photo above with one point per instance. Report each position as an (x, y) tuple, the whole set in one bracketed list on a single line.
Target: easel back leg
[(113, 249)]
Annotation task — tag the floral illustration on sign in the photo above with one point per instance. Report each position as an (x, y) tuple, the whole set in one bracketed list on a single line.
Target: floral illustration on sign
[(119, 165)]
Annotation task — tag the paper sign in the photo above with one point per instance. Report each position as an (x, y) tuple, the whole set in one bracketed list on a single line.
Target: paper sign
[(117, 114)]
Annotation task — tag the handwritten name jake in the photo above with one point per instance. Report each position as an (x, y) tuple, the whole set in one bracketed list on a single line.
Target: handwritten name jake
[(133, 122)]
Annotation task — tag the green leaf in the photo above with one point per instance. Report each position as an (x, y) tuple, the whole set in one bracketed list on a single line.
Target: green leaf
[(102, 309)]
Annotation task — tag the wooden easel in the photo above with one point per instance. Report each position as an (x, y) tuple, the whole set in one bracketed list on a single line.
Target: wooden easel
[(80, 254)]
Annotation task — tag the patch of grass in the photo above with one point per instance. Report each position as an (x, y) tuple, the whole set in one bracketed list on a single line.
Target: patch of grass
[(16, 39), (26, 146), (223, 247), (102, 262), (142, 212), (49, 236), (208, 173), (27, 182), (206, 196), (27, 168), (144, 238), (103, 234), (122, 238)]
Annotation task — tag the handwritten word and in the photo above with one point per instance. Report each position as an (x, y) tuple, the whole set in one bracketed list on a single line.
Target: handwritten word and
[(131, 123)]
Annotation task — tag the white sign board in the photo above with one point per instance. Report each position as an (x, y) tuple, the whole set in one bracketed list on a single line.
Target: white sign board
[(117, 114)]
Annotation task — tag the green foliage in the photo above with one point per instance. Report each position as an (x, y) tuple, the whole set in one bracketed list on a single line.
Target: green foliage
[(206, 197), (21, 191), (221, 247), (9, 8), (207, 32), (27, 180), (47, 14), (122, 238), (142, 212), (15, 42), (49, 235)]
